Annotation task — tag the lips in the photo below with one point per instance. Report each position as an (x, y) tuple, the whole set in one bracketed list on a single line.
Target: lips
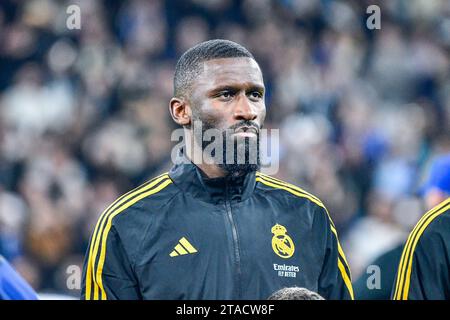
[(246, 130)]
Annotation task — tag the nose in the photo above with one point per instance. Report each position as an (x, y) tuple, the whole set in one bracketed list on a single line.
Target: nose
[(244, 109)]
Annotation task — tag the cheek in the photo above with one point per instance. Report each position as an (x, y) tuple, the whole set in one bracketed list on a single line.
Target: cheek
[(213, 115), (262, 113)]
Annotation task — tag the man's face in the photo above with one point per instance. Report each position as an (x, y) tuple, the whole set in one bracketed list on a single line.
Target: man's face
[(229, 96)]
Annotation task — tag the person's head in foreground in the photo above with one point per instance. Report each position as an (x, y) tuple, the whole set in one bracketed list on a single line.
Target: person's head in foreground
[(437, 186), (219, 91), (295, 293)]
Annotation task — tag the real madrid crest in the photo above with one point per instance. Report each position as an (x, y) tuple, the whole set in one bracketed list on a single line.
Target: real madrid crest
[(282, 244)]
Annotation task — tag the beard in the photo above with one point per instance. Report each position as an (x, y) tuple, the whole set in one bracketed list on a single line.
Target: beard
[(240, 155), (245, 155)]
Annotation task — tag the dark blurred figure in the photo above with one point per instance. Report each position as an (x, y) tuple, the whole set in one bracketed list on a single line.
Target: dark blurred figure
[(387, 264), (423, 268), (435, 190), (295, 293)]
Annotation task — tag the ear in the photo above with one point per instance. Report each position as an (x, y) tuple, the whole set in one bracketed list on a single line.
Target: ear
[(180, 111)]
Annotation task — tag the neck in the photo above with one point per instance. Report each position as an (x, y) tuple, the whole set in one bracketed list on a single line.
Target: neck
[(215, 171), (211, 170)]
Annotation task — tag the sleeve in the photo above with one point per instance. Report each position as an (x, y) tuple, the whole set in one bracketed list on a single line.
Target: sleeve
[(423, 272), (335, 279), (107, 271)]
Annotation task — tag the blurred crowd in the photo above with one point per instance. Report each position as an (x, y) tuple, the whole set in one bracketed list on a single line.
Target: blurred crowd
[(84, 113)]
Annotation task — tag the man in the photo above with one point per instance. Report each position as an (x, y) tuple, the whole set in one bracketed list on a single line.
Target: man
[(423, 272), (213, 229), (387, 263)]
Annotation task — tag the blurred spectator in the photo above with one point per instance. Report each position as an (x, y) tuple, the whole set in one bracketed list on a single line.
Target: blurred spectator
[(434, 191), (437, 186)]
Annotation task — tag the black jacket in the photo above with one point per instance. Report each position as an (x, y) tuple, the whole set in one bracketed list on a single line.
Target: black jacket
[(182, 236), (424, 269)]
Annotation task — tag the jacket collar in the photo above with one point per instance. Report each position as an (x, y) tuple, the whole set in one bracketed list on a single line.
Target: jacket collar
[(190, 179)]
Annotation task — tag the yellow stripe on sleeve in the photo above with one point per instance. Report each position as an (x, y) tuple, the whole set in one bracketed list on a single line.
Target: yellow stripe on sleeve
[(269, 178), (108, 227), (298, 193), (93, 248), (405, 266), (346, 278)]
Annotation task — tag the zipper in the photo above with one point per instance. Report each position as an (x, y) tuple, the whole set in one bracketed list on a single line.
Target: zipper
[(237, 255)]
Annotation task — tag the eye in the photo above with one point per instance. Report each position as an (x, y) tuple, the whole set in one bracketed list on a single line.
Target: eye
[(255, 95), (225, 95)]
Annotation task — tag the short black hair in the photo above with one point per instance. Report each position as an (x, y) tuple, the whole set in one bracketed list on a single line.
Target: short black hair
[(295, 293), (189, 65)]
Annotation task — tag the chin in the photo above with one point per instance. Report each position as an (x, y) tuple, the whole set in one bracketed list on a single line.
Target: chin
[(239, 169)]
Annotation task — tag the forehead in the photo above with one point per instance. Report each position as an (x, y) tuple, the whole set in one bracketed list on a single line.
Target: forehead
[(230, 71)]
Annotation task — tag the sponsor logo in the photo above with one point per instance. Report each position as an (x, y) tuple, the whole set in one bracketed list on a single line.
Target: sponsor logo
[(287, 271), (183, 247)]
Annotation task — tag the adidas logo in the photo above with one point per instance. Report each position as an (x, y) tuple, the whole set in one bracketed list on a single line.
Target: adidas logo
[(183, 247)]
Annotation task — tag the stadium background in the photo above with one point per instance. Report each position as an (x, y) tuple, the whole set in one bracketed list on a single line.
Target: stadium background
[(84, 118)]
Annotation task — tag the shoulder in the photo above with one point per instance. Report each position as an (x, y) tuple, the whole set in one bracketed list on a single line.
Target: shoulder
[(289, 192), (434, 225), (128, 218), (135, 206), (297, 199), (426, 243)]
